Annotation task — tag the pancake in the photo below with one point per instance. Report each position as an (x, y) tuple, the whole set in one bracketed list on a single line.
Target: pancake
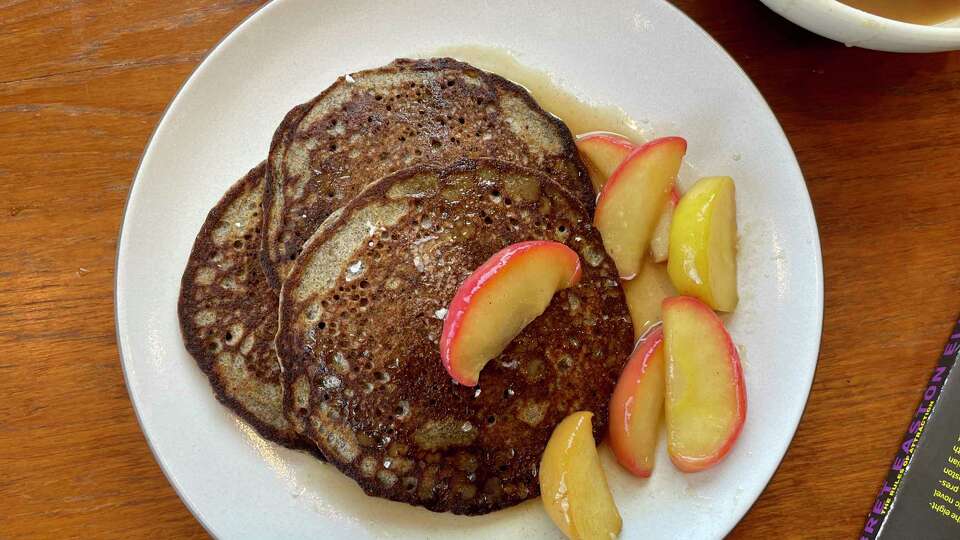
[(228, 313), (361, 315), (372, 123)]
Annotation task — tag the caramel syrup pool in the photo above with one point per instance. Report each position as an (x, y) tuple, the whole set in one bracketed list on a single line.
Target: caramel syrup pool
[(581, 117), (911, 11)]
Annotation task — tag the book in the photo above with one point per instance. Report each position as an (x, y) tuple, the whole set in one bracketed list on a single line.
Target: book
[(920, 496)]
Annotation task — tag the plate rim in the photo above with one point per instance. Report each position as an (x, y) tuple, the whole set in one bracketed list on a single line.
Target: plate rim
[(164, 116), (213, 52), (817, 249)]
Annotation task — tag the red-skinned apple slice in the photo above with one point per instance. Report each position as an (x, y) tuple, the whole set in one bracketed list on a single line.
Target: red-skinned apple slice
[(660, 243), (499, 299), (603, 152), (632, 200), (706, 401), (637, 404)]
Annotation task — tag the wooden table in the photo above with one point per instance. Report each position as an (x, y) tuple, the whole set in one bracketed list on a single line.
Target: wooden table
[(82, 85)]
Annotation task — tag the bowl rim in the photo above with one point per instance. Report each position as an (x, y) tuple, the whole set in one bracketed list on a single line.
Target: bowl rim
[(852, 14)]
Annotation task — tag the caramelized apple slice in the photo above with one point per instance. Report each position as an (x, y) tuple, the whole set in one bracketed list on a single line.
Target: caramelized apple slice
[(660, 243), (706, 401), (703, 243), (573, 485), (500, 298), (645, 294), (636, 406), (603, 152), (633, 198)]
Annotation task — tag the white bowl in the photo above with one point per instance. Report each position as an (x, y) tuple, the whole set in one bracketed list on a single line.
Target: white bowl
[(856, 28)]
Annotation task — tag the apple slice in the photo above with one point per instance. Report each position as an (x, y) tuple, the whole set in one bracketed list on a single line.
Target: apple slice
[(631, 201), (645, 294), (573, 485), (660, 243), (500, 298), (603, 152), (703, 243), (636, 406), (706, 401)]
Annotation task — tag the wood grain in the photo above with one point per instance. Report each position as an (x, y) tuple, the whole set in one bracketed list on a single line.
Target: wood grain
[(83, 83)]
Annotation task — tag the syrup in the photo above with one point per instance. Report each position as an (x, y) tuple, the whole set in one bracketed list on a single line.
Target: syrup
[(581, 117), (911, 11)]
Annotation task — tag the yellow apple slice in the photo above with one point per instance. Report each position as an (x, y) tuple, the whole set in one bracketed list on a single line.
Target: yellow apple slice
[(645, 294), (703, 243), (660, 243), (573, 485), (636, 406), (633, 198), (603, 152), (499, 299), (706, 401)]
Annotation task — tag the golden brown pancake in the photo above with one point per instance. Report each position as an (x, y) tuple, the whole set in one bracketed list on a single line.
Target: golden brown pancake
[(375, 122), (361, 315), (228, 313)]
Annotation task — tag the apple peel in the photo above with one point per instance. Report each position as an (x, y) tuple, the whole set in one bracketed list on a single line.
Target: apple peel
[(502, 296)]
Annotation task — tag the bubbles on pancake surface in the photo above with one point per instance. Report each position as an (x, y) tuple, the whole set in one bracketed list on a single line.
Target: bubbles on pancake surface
[(430, 111), (228, 313), (452, 448)]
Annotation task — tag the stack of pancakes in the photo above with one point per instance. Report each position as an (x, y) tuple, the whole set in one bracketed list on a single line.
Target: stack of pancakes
[(316, 290)]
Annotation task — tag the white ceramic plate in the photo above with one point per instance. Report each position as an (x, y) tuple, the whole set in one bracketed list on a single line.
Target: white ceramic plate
[(646, 57)]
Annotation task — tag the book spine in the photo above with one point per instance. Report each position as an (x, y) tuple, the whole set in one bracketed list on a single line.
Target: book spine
[(901, 461)]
